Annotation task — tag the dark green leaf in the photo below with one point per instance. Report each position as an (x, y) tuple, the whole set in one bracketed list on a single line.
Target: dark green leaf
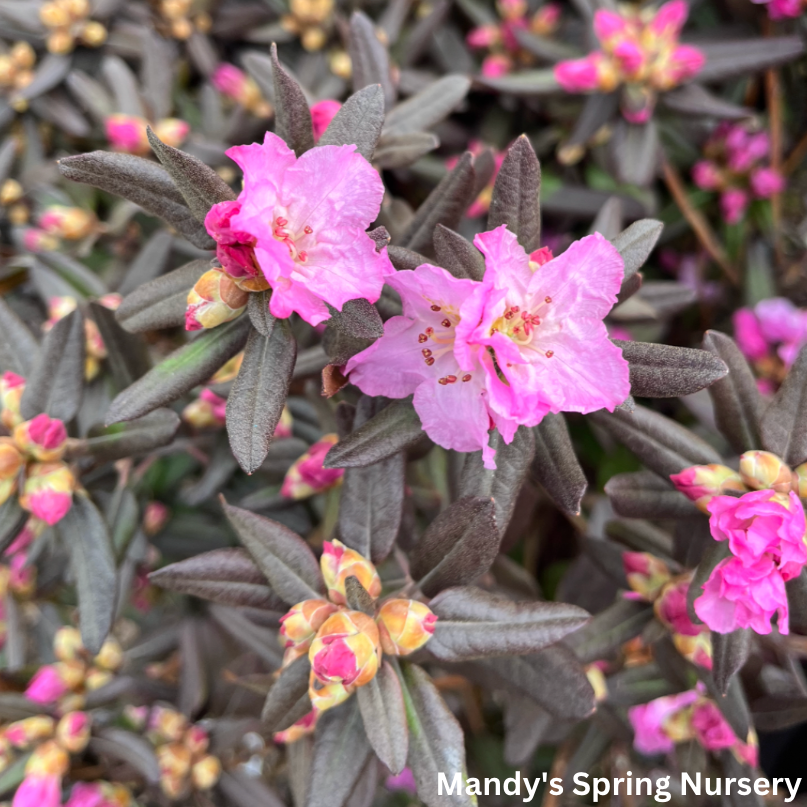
[(56, 383), (258, 396), (180, 372), (358, 122), (784, 425), (84, 533), (161, 303), (516, 195), (284, 557), (556, 466), (382, 708), (201, 186), (292, 115)]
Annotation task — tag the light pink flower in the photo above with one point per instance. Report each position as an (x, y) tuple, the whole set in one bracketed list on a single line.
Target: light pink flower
[(322, 113), (712, 730), (578, 75), (739, 596), (749, 336), (503, 352), (765, 182), (706, 175), (780, 320), (308, 217), (762, 523), (733, 203), (38, 791), (46, 686), (648, 720)]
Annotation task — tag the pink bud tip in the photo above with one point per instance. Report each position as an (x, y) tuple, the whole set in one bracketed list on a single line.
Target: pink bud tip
[(608, 24), (12, 380), (670, 18), (46, 686), (46, 432), (577, 75), (50, 505), (322, 113)]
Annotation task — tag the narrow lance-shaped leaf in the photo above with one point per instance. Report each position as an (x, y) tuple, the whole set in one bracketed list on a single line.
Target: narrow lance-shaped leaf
[(737, 400), (400, 151), (735, 58), (458, 255), (516, 191), (427, 107), (474, 624), (18, 348), (729, 653), (12, 520), (85, 535), (201, 186), (351, 330), (369, 57), (258, 396), (284, 557), (127, 356), (665, 371), (609, 629), (184, 369), (226, 576), (358, 122), (784, 425), (290, 688), (292, 115), (56, 383), (382, 708), (636, 243), (646, 495), (556, 465)]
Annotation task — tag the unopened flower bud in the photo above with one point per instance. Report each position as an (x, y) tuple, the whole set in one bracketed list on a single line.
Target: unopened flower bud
[(326, 696), (208, 411), (206, 772), (48, 491), (47, 685), (214, 299), (12, 387), (545, 21), (155, 518), (49, 759), (702, 483), (73, 731), (761, 469), (304, 726), (338, 563), (39, 790), (10, 192), (300, 625), (404, 626), (93, 34), (167, 724), (174, 760), (60, 41), (110, 656), (346, 649), (308, 476), (646, 574), (36, 240), (43, 438), (30, 731), (23, 55), (54, 15), (67, 644), (127, 133), (800, 480), (284, 425), (596, 677), (71, 223), (172, 131), (11, 460), (671, 609), (196, 740), (697, 649)]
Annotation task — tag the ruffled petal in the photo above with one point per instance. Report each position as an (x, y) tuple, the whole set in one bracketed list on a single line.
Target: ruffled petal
[(507, 265)]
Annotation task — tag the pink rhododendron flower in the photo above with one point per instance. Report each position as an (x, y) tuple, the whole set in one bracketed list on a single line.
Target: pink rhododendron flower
[(765, 182), (648, 721), (46, 686), (127, 133), (711, 729), (308, 476), (780, 320), (87, 794), (322, 113), (671, 608), (307, 217), (782, 9), (733, 203), (705, 175), (748, 333), (503, 352), (38, 791), (496, 65)]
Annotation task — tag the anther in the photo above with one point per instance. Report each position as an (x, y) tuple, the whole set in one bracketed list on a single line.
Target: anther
[(547, 299), (436, 307), (443, 380), (430, 361), (282, 222), (422, 338), (303, 256), (509, 314), (550, 353), (307, 230), (446, 323), (466, 377), (515, 309), (451, 379), (426, 352), (429, 331)]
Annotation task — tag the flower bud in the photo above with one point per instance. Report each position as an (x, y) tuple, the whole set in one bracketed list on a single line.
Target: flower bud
[(284, 425), (326, 696), (608, 25), (30, 731), (338, 563), (71, 223), (539, 257), (39, 790), (766, 182), (577, 75), (36, 240), (67, 644), (208, 411), (22, 578), (110, 656), (155, 518), (10, 192), (197, 740), (167, 724), (48, 491), (73, 731), (11, 460), (404, 626), (53, 15), (172, 131), (93, 34), (300, 625), (546, 19), (12, 387), (596, 677), (174, 760), (43, 438), (304, 726), (346, 649), (697, 649), (733, 203), (47, 685), (702, 483), (761, 469), (23, 55), (308, 476), (236, 84), (671, 609), (127, 133), (214, 299), (206, 772), (646, 574)]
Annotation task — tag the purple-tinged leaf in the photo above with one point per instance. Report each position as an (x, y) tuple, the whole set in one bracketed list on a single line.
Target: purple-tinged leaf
[(526, 82), (382, 708), (128, 747), (609, 629), (369, 57), (427, 107), (358, 122), (636, 243), (243, 790), (715, 552), (556, 466), (292, 115), (285, 559), (283, 700), (19, 351), (646, 495), (402, 258), (127, 356), (783, 429), (458, 255), (693, 99), (401, 150), (351, 330), (726, 60), (777, 712), (730, 651)]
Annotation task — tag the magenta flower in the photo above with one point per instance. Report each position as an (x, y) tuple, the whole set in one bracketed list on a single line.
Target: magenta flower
[(765, 182), (749, 336), (783, 9), (711, 729), (322, 113), (46, 686), (503, 352), (38, 791), (733, 203), (308, 476), (648, 721), (671, 608), (307, 218)]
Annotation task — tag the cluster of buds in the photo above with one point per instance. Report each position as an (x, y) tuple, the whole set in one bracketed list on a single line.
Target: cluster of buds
[(736, 166), (13, 204), (310, 20), (766, 531), (100, 794), (30, 460), (345, 646), (500, 39), (481, 204), (770, 335), (179, 19), (662, 723), (64, 683), (17, 577), (67, 23), (651, 580), (16, 73), (236, 84), (640, 53), (182, 752), (49, 744), (308, 475), (68, 223), (127, 133)]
